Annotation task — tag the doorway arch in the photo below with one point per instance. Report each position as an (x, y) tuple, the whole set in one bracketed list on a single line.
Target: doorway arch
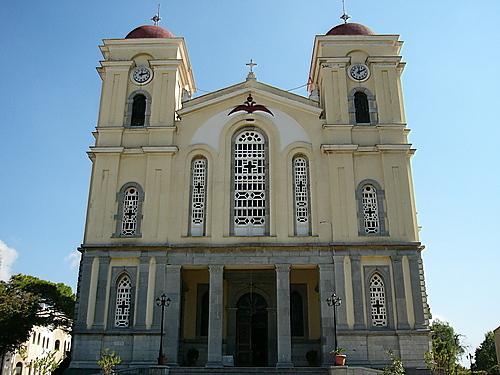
[(251, 330)]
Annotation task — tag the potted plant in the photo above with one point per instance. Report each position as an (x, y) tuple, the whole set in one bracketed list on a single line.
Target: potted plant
[(339, 356)]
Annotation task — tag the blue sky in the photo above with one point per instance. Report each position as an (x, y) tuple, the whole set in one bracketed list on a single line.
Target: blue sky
[(50, 95)]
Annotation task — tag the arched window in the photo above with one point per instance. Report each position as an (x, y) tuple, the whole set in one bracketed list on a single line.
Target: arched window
[(362, 108), (371, 212), (19, 368), (138, 110), (370, 209), (47, 343), (301, 196), (250, 210), (130, 209), (378, 301), (129, 216), (57, 345), (39, 337), (123, 301), (198, 196), (296, 314)]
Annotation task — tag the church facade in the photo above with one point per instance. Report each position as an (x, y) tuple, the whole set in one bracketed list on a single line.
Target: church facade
[(249, 207)]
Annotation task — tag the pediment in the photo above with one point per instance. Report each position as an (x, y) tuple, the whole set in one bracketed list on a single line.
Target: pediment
[(253, 87)]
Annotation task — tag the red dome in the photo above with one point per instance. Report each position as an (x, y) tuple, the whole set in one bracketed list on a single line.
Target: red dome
[(149, 31), (350, 29)]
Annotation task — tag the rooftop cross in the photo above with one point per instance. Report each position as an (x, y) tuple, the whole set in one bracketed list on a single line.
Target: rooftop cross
[(156, 18), (344, 15), (251, 74)]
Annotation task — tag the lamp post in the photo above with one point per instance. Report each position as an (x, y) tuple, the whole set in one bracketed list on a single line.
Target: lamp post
[(334, 301), (163, 302)]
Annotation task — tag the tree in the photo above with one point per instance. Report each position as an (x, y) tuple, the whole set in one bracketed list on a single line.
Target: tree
[(25, 302), (396, 367), (486, 356), (446, 349), (45, 365), (108, 361)]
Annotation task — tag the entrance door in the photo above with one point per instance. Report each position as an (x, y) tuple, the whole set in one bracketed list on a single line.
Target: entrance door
[(251, 330)]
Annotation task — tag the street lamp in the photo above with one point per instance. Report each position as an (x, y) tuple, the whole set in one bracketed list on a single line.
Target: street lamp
[(162, 301), (334, 301)]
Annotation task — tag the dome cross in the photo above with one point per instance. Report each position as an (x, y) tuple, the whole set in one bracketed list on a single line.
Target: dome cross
[(344, 15), (156, 18)]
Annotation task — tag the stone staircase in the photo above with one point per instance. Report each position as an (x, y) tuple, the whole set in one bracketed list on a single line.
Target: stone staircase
[(164, 370)]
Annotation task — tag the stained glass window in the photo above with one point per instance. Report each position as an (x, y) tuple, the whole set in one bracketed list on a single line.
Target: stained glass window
[(301, 195), (250, 183), (122, 307), (378, 301)]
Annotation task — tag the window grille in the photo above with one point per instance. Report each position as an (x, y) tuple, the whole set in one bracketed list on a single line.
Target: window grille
[(250, 182), (378, 302), (122, 308), (130, 212), (198, 196), (370, 209), (301, 195)]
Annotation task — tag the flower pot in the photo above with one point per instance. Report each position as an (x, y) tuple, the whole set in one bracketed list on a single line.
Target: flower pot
[(340, 359)]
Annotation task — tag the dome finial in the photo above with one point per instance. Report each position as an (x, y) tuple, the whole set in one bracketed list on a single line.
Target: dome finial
[(156, 18), (344, 15)]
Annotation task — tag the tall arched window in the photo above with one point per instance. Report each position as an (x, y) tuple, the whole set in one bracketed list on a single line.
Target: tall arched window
[(370, 209), (57, 345), (301, 195), (250, 208), (130, 210), (129, 216), (296, 314), (123, 301), (138, 117), (198, 196), (371, 213), (378, 301), (19, 368), (362, 108)]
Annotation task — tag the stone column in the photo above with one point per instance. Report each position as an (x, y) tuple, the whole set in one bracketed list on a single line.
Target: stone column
[(326, 288), (102, 283), (172, 313), (399, 291), (84, 277), (215, 316), (357, 292), (338, 262), (416, 288), (142, 285), (283, 316)]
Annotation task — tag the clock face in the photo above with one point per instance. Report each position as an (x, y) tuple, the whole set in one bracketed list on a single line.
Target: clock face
[(359, 72), (142, 75)]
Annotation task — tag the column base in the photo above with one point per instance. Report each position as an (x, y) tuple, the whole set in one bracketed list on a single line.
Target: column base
[(284, 365), (214, 365)]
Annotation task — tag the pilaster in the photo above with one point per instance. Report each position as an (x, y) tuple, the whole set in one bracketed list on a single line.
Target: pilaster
[(102, 283), (173, 313), (338, 261), (142, 285), (84, 290), (416, 287), (399, 290), (326, 288), (215, 316), (283, 316), (357, 291)]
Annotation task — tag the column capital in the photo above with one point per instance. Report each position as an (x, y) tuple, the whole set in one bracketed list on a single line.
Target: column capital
[(216, 268), (282, 267), (173, 267), (396, 258)]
